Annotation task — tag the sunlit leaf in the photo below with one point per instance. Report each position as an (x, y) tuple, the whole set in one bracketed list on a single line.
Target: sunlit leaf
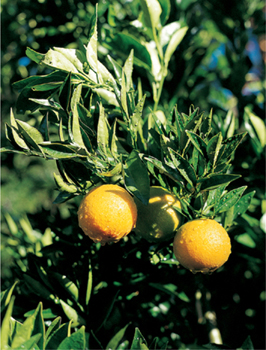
[(76, 340)]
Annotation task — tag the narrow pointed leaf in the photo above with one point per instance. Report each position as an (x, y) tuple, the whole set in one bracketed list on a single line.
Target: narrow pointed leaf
[(242, 205), (139, 342), (206, 126), (72, 314), (183, 167), (114, 342), (136, 177), (215, 180), (213, 147), (152, 11), (89, 285), (31, 326), (92, 49), (103, 136), (230, 145), (197, 141), (175, 40), (5, 327), (58, 336), (6, 296), (230, 199), (68, 285), (30, 134), (52, 328)]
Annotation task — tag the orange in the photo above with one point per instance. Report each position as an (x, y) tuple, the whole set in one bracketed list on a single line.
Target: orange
[(158, 220), (107, 213), (202, 245)]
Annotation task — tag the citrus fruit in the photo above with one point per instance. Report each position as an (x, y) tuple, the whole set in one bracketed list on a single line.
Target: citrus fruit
[(107, 213), (202, 245), (158, 220)]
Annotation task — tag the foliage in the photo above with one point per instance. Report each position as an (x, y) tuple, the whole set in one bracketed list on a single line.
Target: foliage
[(105, 110)]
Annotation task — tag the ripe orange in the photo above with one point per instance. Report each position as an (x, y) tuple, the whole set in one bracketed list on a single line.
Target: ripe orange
[(107, 213), (158, 220), (202, 245)]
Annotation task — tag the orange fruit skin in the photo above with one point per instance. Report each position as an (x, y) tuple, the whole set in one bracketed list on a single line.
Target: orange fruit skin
[(202, 245), (158, 221), (107, 213)]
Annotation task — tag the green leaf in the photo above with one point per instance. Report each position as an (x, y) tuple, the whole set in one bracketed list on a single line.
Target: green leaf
[(5, 327), (67, 284), (114, 342), (30, 134), (229, 146), (254, 123), (30, 343), (54, 326), (206, 126), (230, 199), (183, 166), (213, 148), (64, 186), (242, 205), (37, 287), (166, 9), (91, 50), (166, 169), (197, 141), (139, 342), (14, 131), (170, 289), (152, 11), (124, 43), (57, 336), (215, 180), (136, 177), (61, 150), (175, 40), (246, 240), (117, 69), (6, 296), (103, 136), (72, 314), (58, 58), (77, 341), (32, 325), (89, 284), (247, 345)]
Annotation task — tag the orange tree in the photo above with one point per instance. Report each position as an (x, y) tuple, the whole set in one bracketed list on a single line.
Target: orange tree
[(102, 124)]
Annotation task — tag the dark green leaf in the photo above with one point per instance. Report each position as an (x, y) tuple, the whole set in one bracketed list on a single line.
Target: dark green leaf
[(72, 314), (229, 146), (139, 342), (57, 336), (136, 177), (52, 328), (166, 8), (68, 285), (183, 167), (230, 199), (197, 141), (77, 341), (43, 128), (63, 197), (213, 148), (243, 204), (170, 289), (166, 169), (215, 180), (117, 69), (124, 43), (114, 342), (247, 345), (207, 124)]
